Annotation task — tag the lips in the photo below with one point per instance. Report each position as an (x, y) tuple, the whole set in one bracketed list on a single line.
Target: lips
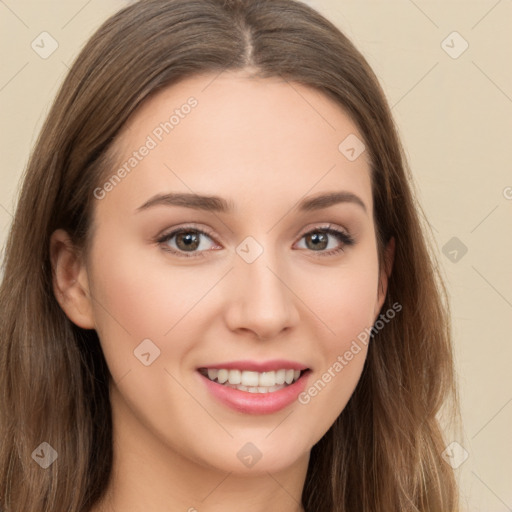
[(255, 387), (257, 366)]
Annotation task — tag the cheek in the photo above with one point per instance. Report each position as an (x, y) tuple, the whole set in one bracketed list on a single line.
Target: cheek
[(135, 300), (142, 295), (343, 300), (348, 313)]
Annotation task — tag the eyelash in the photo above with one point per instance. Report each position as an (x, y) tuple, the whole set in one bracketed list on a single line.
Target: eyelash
[(343, 237)]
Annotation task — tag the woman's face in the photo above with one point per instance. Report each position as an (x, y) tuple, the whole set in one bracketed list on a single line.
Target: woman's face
[(253, 282)]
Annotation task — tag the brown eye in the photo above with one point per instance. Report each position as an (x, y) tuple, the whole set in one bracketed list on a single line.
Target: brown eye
[(316, 240), (319, 240), (187, 240)]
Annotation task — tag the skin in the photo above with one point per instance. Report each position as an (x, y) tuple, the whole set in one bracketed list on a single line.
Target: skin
[(264, 145)]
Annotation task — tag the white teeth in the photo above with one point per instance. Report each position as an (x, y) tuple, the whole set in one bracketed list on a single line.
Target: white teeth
[(280, 376), (222, 376), (267, 379), (253, 382), (235, 377), (255, 389), (250, 378)]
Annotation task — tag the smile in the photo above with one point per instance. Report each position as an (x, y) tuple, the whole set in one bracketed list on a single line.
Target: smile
[(250, 381)]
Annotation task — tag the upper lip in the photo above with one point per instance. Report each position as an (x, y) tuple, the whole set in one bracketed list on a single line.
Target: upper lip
[(258, 366)]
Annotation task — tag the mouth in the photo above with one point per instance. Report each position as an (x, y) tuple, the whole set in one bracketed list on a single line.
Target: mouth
[(253, 381), (255, 387)]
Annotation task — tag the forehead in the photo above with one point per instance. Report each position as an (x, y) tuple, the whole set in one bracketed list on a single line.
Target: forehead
[(237, 136)]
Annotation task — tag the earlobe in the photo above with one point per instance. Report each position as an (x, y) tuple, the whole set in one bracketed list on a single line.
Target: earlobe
[(69, 279)]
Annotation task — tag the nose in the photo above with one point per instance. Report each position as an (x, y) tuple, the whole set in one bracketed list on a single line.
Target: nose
[(260, 298)]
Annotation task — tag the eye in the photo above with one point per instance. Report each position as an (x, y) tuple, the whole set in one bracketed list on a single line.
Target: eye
[(318, 240), (186, 240), (189, 241)]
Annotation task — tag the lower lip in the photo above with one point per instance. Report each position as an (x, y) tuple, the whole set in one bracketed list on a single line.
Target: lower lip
[(256, 403)]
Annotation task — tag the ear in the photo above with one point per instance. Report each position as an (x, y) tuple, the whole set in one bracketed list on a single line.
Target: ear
[(385, 273), (70, 281)]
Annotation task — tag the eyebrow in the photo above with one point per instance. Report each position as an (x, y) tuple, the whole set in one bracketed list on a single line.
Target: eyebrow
[(221, 205)]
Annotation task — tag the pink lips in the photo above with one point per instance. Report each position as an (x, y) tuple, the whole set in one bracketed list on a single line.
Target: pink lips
[(257, 403), (255, 366)]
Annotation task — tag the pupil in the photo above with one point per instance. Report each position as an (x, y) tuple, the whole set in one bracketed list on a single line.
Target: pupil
[(191, 241), (318, 239)]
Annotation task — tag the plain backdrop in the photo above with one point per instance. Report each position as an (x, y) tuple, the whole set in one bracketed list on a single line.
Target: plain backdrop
[(446, 69)]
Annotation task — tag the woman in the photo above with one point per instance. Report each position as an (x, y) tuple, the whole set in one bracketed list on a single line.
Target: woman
[(217, 293)]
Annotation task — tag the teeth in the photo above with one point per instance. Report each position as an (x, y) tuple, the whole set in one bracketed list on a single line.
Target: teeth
[(280, 376), (255, 389), (235, 377), (222, 376), (267, 379), (250, 378), (254, 382)]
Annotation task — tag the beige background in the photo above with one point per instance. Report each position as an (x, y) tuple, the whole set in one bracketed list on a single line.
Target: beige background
[(455, 119)]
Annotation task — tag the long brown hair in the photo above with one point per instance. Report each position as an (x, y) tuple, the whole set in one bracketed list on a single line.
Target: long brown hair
[(383, 453)]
